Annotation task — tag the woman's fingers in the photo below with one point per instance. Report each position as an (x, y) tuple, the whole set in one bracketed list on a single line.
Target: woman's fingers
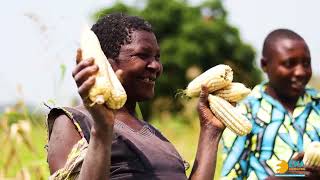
[(298, 156), (85, 73), (315, 170), (203, 100), (207, 118), (86, 86), (82, 65), (79, 56), (203, 106)]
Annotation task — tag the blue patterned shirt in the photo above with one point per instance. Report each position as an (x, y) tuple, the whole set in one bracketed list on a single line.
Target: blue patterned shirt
[(276, 134)]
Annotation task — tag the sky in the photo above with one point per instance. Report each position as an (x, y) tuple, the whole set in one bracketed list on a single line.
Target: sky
[(38, 39)]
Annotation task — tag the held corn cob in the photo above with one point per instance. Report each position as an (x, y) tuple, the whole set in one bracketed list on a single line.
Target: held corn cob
[(215, 78), (229, 115), (234, 92), (107, 88), (118, 95), (311, 156)]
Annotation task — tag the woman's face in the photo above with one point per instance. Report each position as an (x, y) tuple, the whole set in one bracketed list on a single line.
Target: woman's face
[(289, 70), (141, 66)]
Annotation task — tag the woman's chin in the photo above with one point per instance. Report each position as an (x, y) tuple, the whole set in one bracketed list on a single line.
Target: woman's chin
[(146, 97)]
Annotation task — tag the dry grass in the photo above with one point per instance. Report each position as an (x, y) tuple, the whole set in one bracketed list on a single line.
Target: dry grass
[(22, 154)]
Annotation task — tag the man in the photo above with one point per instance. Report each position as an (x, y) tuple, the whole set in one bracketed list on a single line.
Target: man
[(284, 113)]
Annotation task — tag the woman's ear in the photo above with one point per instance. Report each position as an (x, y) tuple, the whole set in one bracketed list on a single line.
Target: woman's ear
[(263, 64), (119, 72), (113, 64)]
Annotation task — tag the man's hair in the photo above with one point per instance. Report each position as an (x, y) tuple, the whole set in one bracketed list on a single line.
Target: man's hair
[(114, 30), (276, 35)]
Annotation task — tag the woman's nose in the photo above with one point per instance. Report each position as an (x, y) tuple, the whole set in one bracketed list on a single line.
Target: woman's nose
[(154, 65), (300, 70)]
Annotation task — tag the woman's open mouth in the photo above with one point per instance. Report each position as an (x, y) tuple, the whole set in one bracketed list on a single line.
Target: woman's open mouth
[(298, 85), (148, 80)]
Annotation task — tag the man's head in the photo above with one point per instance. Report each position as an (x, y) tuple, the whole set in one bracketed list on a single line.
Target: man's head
[(287, 62)]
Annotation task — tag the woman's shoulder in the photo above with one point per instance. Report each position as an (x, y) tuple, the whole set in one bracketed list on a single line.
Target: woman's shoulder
[(78, 116), (155, 131)]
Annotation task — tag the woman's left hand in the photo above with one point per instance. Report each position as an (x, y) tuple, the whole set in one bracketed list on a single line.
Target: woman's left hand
[(313, 172), (211, 129), (207, 119), (310, 172)]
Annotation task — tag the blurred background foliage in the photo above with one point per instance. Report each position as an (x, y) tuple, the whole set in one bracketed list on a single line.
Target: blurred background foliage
[(192, 39)]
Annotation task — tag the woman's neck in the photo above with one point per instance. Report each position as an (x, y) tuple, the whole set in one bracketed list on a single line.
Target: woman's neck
[(288, 103), (128, 108), (128, 116)]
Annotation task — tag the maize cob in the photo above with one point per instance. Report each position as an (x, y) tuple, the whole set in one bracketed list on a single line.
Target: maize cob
[(229, 115), (311, 156), (234, 92), (107, 88), (215, 78), (118, 96)]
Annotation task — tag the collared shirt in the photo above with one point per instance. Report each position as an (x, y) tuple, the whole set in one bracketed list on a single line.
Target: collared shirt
[(276, 134)]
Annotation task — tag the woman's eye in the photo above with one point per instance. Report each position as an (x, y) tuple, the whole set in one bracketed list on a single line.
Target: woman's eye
[(142, 55), (287, 64), (157, 57), (306, 63)]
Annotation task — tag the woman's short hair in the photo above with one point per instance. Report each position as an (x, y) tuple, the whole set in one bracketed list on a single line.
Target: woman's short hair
[(274, 36), (114, 30)]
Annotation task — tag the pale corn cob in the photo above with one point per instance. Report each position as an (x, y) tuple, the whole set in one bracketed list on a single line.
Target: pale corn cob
[(118, 97), (215, 78), (311, 156), (234, 92), (229, 115), (107, 88)]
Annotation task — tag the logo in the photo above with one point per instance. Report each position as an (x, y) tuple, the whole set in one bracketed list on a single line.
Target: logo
[(290, 169), (282, 167)]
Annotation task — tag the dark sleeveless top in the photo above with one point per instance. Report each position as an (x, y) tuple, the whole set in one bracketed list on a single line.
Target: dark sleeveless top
[(143, 154)]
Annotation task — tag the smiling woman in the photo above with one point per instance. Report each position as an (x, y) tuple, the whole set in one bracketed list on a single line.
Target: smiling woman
[(287, 63), (283, 111), (95, 142), (140, 60)]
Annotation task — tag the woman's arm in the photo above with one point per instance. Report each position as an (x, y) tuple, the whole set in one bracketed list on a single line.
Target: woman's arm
[(64, 136), (97, 160), (211, 130)]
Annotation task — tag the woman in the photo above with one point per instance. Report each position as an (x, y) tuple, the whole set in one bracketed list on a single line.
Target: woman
[(106, 144)]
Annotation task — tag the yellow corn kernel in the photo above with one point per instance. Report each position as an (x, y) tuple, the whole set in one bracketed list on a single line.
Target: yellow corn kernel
[(229, 115), (234, 92), (215, 78)]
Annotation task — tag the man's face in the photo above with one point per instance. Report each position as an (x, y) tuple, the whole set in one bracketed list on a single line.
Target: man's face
[(289, 67)]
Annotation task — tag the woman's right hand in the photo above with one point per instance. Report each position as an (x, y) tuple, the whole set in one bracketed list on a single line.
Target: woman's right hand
[(84, 75)]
